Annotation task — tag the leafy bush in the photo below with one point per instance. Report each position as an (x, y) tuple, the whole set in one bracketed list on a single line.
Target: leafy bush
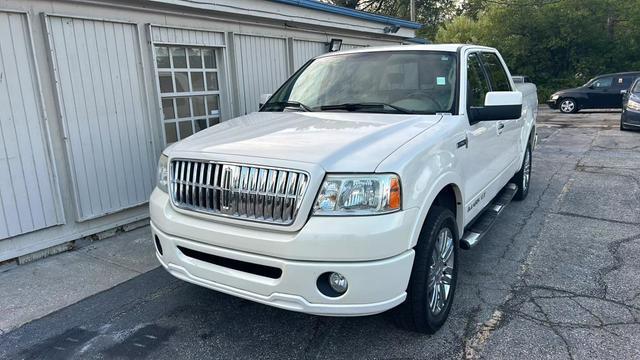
[(558, 44)]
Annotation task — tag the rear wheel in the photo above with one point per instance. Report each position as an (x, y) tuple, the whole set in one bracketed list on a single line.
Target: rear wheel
[(523, 177), (568, 106), (434, 275)]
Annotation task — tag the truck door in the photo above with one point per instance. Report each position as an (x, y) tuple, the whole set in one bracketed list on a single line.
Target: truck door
[(508, 131), (479, 160)]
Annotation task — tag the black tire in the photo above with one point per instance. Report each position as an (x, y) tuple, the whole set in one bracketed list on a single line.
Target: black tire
[(416, 314), (523, 177), (571, 105)]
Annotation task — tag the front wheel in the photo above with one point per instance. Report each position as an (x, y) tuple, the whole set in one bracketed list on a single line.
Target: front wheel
[(523, 177), (434, 275), (568, 106)]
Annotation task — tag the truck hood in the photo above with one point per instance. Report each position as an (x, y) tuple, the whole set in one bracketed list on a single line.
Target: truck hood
[(337, 141)]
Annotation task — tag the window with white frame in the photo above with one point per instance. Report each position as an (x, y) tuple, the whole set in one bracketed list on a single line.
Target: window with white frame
[(189, 89)]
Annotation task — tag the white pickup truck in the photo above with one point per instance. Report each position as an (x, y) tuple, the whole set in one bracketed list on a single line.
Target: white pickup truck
[(352, 189)]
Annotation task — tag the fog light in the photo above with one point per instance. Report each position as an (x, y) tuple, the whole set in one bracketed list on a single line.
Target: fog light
[(338, 282), (332, 284)]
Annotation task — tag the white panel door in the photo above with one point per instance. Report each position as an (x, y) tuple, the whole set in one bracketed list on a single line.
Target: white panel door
[(303, 50), (261, 65), (102, 100), (29, 195)]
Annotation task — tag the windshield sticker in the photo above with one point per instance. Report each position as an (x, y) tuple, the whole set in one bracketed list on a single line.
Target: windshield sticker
[(440, 80)]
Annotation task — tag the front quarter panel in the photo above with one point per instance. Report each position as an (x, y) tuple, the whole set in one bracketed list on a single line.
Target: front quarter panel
[(426, 165)]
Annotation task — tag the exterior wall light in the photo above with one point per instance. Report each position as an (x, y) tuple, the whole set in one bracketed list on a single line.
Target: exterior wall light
[(335, 45), (391, 29)]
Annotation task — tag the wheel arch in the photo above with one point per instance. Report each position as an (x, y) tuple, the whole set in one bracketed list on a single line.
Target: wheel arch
[(448, 195)]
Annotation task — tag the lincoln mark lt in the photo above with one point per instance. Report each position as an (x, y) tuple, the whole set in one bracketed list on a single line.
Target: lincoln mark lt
[(354, 187)]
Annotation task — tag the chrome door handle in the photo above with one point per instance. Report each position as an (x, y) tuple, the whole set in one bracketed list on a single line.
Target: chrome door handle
[(500, 127)]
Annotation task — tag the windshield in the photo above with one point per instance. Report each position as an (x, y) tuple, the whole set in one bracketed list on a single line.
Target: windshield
[(421, 82), (636, 87)]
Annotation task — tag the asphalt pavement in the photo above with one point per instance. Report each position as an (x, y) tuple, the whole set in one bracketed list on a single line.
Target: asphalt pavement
[(557, 277)]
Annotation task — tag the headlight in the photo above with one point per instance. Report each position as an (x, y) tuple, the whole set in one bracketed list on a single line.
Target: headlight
[(162, 179), (358, 195), (555, 97), (633, 105)]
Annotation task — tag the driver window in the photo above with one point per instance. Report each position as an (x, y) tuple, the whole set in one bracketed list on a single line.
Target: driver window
[(603, 83), (477, 84)]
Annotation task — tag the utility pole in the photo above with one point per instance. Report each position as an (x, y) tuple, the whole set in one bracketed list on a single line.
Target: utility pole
[(412, 9)]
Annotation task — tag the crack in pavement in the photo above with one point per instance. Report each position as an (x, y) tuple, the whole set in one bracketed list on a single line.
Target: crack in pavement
[(570, 214), (521, 293), (567, 347), (515, 307), (472, 340), (590, 169), (525, 295), (614, 250), (475, 339)]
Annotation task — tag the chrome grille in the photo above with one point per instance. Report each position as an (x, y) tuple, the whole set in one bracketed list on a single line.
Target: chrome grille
[(245, 192)]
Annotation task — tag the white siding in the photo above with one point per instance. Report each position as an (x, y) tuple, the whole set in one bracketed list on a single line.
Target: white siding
[(304, 50), (261, 65), (169, 35), (97, 66), (29, 196)]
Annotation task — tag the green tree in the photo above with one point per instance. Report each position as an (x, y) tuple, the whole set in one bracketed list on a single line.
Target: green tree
[(558, 43), (431, 13)]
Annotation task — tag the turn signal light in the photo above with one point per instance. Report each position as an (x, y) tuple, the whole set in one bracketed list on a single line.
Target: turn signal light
[(394, 193)]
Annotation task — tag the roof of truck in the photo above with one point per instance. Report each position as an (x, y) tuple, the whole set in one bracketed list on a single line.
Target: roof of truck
[(431, 47)]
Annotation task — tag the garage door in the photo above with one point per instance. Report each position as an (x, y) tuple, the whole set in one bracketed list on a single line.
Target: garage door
[(29, 196), (303, 50), (101, 95), (261, 64)]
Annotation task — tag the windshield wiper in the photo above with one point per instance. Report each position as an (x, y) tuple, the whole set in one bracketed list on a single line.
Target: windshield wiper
[(290, 103), (367, 105)]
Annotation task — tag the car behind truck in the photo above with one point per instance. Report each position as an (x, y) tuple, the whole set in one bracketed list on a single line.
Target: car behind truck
[(353, 188)]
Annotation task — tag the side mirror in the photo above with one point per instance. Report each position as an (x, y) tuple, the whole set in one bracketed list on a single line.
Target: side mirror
[(263, 99), (498, 105)]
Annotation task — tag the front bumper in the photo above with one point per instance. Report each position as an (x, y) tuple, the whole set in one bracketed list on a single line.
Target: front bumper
[(322, 238), (372, 252), (630, 119), (374, 286), (553, 104)]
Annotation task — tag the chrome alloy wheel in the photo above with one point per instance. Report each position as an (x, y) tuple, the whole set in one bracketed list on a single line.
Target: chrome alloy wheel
[(441, 272), (526, 174), (567, 106)]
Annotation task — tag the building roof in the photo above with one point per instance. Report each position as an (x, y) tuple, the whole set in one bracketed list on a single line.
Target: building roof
[(316, 5)]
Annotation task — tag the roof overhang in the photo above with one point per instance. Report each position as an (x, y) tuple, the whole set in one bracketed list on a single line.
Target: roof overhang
[(307, 13), (316, 5)]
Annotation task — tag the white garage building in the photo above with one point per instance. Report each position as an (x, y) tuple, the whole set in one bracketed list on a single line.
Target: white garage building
[(91, 91)]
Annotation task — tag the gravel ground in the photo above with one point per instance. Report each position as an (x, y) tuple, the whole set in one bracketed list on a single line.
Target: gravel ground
[(557, 277)]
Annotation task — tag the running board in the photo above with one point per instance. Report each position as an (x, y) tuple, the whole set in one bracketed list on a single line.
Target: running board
[(483, 222)]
